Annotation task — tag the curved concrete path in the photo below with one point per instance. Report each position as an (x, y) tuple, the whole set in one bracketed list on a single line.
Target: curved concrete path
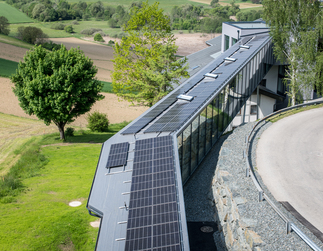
[(290, 162)]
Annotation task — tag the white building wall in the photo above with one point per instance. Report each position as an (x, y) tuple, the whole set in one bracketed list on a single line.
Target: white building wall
[(272, 78), (228, 30), (266, 105)]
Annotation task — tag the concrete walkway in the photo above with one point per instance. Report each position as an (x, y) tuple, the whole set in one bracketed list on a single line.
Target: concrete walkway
[(290, 162)]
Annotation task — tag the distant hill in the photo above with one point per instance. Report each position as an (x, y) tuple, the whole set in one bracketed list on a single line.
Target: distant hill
[(13, 15)]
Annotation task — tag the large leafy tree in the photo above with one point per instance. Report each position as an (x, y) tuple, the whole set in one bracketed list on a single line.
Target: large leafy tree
[(145, 65), (56, 86), (294, 28)]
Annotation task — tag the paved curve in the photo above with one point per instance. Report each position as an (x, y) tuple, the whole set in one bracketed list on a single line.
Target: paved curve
[(290, 162)]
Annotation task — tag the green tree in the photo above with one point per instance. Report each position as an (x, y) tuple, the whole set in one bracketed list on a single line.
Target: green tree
[(31, 35), (145, 65), (4, 24), (295, 34), (56, 86)]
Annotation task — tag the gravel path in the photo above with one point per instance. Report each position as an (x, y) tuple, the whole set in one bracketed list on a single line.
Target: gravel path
[(259, 216)]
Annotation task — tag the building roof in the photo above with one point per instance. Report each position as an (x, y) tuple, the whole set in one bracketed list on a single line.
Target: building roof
[(249, 25), (138, 193)]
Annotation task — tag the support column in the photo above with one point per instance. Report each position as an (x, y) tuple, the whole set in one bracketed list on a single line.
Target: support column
[(258, 102)]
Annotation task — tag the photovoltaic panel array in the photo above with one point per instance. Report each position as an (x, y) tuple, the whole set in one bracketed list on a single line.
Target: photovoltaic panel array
[(155, 112), (202, 91), (118, 155), (153, 220)]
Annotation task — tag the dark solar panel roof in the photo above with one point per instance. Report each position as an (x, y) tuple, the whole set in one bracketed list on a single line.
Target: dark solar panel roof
[(118, 154), (153, 221)]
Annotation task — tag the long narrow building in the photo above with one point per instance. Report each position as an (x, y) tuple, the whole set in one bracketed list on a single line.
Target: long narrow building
[(137, 189)]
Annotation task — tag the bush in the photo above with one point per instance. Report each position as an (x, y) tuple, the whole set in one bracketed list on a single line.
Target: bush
[(31, 35), (98, 37), (69, 29), (111, 42), (98, 122), (58, 26), (75, 22), (90, 31), (69, 132), (50, 46)]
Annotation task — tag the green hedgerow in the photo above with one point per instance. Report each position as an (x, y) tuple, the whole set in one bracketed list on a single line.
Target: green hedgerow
[(98, 122)]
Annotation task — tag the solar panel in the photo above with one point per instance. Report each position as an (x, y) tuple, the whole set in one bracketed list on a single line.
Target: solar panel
[(153, 220), (118, 154)]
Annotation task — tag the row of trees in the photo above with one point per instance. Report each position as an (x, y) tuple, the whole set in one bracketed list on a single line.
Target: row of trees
[(47, 10), (185, 17)]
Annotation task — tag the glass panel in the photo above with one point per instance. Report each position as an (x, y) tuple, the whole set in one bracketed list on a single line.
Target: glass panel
[(234, 40), (215, 105), (195, 141), (221, 108), (227, 42), (202, 135), (180, 149), (209, 127), (186, 153)]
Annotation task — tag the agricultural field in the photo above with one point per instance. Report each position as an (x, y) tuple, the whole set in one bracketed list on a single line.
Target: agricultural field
[(13, 15)]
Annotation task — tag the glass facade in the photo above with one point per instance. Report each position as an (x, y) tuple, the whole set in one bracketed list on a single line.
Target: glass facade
[(196, 140)]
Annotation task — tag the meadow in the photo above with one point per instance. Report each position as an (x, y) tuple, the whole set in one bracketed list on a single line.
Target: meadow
[(7, 67), (52, 173), (13, 15)]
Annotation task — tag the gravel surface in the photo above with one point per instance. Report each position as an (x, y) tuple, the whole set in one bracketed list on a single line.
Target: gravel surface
[(258, 216)]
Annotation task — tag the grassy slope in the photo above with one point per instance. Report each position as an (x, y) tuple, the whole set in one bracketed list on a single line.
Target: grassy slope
[(40, 218), (12, 14), (291, 112), (14, 41), (7, 67)]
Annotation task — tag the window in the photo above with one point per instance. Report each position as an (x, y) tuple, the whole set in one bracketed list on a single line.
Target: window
[(253, 109), (226, 42), (263, 83), (234, 40)]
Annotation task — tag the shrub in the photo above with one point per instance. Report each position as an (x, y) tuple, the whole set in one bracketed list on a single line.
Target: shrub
[(98, 122), (69, 132), (31, 35), (90, 31), (75, 22), (98, 37), (50, 46), (111, 42), (58, 26), (69, 29)]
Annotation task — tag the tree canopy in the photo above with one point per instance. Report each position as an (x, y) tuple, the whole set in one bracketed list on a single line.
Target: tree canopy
[(4, 24), (56, 86), (145, 64), (295, 31)]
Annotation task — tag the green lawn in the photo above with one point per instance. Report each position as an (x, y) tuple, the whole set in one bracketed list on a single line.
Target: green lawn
[(13, 15), (7, 67), (107, 87), (39, 217)]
